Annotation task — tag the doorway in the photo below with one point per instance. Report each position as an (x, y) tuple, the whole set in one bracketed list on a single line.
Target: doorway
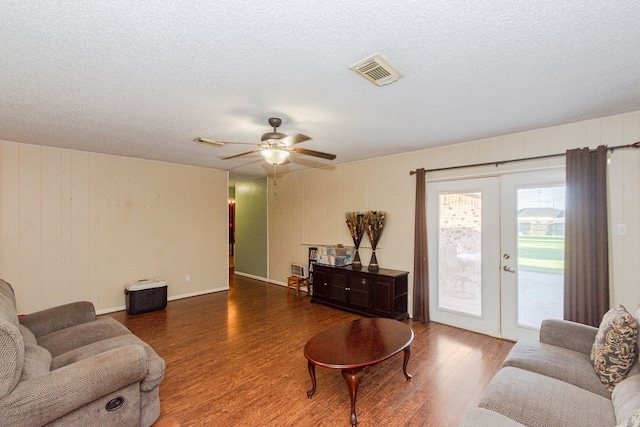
[(496, 249), (232, 234)]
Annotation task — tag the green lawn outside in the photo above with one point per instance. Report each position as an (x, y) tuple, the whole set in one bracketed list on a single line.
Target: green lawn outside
[(541, 254)]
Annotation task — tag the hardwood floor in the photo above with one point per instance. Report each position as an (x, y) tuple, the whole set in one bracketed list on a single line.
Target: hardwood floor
[(235, 359)]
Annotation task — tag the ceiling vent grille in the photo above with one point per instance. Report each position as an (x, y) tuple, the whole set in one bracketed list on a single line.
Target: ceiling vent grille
[(377, 70)]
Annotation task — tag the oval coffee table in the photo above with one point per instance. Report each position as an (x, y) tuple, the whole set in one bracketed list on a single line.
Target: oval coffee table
[(352, 346)]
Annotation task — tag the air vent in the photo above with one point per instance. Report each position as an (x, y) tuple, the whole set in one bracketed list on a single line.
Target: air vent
[(377, 70)]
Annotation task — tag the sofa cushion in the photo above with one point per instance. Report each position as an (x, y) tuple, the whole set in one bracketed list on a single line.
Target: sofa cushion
[(539, 401), (37, 362), (11, 356), (557, 362), (155, 364), (77, 336), (7, 291), (614, 350), (481, 417), (27, 335), (8, 310), (52, 319), (626, 398), (44, 400), (567, 334), (632, 421)]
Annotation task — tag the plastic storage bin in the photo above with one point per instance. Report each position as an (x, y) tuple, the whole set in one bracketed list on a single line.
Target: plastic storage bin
[(338, 256), (145, 295)]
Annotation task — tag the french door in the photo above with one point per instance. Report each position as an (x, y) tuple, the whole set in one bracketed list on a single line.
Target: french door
[(496, 250)]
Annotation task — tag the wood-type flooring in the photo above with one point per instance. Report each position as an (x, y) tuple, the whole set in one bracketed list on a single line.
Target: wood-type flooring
[(235, 358)]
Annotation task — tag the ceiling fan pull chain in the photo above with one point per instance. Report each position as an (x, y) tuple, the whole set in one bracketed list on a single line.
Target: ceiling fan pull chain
[(275, 166)]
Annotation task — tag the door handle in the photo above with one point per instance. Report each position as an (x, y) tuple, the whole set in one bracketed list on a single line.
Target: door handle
[(508, 269)]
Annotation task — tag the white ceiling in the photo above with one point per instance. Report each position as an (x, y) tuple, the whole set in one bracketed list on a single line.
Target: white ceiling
[(142, 79)]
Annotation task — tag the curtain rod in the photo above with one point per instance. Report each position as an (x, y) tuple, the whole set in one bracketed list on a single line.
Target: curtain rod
[(502, 162)]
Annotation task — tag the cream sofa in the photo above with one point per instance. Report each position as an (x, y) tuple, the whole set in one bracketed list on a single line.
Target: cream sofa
[(64, 366), (552, 382)]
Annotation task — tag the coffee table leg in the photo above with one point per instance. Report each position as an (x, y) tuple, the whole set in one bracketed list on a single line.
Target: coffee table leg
[(353, 378), (407, 354), (312, 372)]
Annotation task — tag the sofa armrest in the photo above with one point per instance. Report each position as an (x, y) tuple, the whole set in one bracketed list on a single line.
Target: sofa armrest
[(46, 398), (53, 319), (571, 335)]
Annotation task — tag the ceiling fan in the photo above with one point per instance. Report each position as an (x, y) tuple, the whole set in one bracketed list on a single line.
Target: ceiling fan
[(274, 146)]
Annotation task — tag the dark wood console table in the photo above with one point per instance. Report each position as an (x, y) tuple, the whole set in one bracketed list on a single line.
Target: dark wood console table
[(382, 293)]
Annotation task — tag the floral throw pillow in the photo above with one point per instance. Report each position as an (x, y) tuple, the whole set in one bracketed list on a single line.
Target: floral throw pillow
[(615, 348)]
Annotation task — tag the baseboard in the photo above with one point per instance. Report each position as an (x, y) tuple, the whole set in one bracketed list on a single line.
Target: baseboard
[(273, 282), (172, 298), (195, 294), (110, 310), (284, 285), (250, 276), (262, 279)]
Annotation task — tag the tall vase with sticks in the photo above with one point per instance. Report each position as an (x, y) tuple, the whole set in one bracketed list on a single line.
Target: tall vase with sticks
[(374, 224), (355, 222)]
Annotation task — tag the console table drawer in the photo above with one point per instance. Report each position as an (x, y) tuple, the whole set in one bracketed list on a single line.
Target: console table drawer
[(379, 294)]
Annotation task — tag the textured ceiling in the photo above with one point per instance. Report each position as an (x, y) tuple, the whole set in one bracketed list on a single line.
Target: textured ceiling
[(142, 79)]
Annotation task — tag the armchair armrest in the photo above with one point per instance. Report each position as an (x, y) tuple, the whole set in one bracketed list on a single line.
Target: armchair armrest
[(571, 335), (46, 398), (56, 318)]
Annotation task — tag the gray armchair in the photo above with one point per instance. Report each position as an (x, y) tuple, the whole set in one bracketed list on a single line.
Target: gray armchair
[(64, 366)]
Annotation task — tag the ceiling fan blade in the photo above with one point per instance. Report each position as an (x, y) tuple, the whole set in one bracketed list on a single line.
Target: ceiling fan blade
[(294, 139), (314, 153), (215, 142), (241, 154), (209, 141)]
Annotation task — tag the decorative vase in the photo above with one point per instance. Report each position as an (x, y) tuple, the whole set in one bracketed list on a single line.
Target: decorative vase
[(356, 264), (373, 264), (374, 224), (356, 224)]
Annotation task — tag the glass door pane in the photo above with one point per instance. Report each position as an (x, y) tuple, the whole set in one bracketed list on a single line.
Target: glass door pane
[(460, 232), (496, 252), (463, 219), (540, 243), (532, 251)]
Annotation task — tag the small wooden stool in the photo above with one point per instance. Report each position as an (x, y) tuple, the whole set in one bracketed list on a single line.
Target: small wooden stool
[(295, 281)]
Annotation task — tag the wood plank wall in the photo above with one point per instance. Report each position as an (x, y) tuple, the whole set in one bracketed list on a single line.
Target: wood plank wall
[(79, 226)]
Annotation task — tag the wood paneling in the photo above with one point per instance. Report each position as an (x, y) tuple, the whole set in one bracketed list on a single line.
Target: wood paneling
[(79, 226), (30, 221), (309, 206), (236, 358)]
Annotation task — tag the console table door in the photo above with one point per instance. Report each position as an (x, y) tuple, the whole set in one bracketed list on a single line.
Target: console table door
[(383, 298), (359, 292)]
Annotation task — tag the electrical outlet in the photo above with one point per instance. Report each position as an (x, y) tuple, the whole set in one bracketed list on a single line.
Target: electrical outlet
[(187, 277)]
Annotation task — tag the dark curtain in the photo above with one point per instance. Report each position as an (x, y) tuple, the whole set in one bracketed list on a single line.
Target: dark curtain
[(420, 264), (586, 266)]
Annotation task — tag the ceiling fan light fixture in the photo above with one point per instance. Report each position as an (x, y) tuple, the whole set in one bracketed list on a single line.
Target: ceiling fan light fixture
[(275, 146), (273, 136), (275, 156)]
